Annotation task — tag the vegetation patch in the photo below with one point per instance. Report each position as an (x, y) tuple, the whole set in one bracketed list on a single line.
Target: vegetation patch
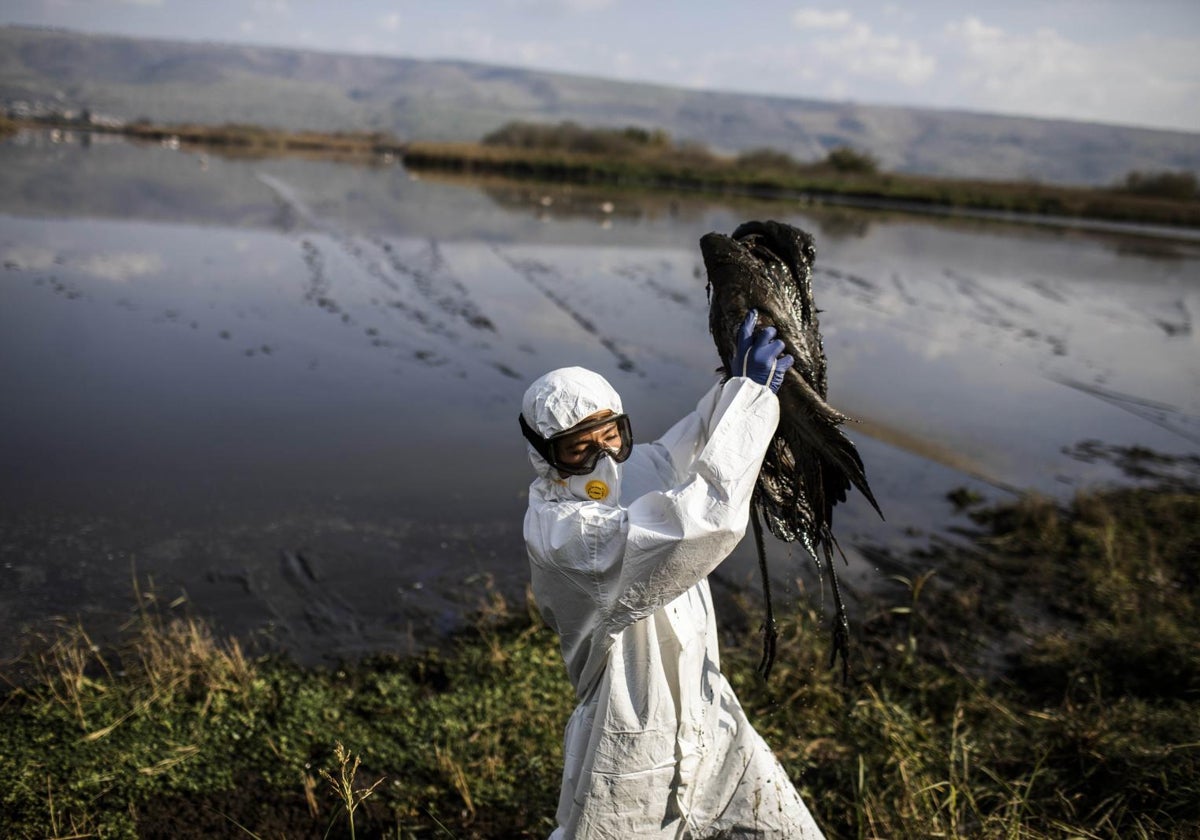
[(650, 159), (237, 140), (1042, 682), (638, 157)]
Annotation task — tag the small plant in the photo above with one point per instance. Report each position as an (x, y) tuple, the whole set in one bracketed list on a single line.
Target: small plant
[(62, 671), (914, 586), (349, 797), (963, 498)]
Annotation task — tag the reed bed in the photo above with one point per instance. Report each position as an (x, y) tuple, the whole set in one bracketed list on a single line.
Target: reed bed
[(696, 169)]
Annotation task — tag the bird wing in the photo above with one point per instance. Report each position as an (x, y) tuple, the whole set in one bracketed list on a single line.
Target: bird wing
[(810, 464)]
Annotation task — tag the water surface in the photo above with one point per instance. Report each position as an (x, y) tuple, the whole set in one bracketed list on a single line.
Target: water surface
[(289, 388)]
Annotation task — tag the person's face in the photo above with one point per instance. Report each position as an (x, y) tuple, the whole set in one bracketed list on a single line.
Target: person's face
[(571, 449)]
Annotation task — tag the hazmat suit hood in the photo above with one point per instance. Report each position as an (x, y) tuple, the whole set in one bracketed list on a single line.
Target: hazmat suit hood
[(554, 403)]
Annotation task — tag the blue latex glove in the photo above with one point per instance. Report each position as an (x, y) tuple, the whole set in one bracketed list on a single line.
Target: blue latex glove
[(759, 355)]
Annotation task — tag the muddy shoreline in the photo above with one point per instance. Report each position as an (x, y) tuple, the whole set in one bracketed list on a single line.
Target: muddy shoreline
[(1040, 676), (242, 378)]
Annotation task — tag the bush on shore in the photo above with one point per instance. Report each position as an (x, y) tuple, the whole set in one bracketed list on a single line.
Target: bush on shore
[(572, 137), (637, 157), (1177, 185)]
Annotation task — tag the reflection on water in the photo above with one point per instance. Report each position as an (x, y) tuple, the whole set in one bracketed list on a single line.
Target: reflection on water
[(291, 387)]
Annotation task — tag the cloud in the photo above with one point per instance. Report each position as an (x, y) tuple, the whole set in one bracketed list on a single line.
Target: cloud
[(1144, 79), (554, 6), (391, 23), (140, 2), (122, 266), (848, 48), (488, 46), (586, 5), (884, 57), (28, 257), (810, 18)]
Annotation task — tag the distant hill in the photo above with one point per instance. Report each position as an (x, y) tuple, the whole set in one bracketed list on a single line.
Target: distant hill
[(172, 81)]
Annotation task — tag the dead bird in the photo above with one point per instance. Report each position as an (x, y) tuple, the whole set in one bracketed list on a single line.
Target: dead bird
[(810, 464)]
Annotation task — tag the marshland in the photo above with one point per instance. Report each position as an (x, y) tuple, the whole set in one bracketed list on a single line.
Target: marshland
[(262, 489)]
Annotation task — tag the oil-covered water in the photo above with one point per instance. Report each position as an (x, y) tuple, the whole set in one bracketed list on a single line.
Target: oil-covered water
[(289, 388)]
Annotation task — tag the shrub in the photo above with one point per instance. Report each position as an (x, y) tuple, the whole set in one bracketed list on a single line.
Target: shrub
[(571, 137), (845, 159), (1180, 185), (766, 159)]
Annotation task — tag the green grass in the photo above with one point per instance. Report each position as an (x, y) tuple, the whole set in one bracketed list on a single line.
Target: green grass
[(1044, 682)]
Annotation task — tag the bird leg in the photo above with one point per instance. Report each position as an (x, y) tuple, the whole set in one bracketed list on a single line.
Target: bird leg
[(770, 630), (841, 626)]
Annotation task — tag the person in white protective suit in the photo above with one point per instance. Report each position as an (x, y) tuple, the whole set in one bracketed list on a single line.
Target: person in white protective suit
[(621, 539)]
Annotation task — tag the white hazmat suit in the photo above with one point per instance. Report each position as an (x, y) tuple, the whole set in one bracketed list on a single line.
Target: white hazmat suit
[(658, 745)]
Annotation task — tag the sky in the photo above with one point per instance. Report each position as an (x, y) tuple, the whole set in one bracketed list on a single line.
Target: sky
[(1129, 62)]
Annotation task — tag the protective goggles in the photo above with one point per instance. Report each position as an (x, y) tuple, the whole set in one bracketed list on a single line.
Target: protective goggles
[(571, 455)]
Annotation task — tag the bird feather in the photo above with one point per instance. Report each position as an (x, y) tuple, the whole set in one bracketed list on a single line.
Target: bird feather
[(810, 464)]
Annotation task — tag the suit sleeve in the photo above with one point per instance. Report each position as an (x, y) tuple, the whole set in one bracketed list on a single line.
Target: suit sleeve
[(628, 562)]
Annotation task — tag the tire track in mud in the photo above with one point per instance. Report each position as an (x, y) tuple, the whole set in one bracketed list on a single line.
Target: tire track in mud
[(537, 274), (432, 283), (422, 279), (907, 297), (319, 292), (414, 291), (1176, 322), (316, 290), (377, 270), (1029, 312), (1047, 290), (435, 285), (1164, 415), (989, 302), (875, 295), (319, 288), (1172, 318), (645, 277), (859, 287), (992, 310), (1008, 313)]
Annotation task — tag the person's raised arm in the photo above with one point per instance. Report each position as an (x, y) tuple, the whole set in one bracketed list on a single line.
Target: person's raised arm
[(674, 538)]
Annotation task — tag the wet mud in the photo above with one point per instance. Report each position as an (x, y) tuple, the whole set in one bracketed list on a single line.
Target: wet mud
[(544, 278), (297, 404), (416, 286)]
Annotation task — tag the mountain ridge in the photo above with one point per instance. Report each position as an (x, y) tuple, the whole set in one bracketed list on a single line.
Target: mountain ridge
[(453, 99)]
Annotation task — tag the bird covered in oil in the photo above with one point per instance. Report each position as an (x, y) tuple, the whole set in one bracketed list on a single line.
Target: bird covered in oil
[(810, 464)]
